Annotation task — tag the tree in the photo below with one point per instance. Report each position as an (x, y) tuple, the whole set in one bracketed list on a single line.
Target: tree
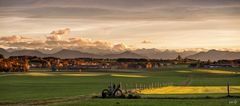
[(179, 57)]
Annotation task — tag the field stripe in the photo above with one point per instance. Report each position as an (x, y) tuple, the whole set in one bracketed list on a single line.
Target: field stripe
[(190, 90), (51, 101)]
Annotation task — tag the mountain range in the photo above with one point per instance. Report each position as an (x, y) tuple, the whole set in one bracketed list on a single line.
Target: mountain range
[(212, 55), (215, 55)]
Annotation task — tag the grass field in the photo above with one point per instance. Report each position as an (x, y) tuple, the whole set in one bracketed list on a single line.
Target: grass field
[(74, 88), (156, 102)]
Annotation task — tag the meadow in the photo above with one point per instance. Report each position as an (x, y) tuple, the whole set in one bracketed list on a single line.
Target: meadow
[(75, 88)]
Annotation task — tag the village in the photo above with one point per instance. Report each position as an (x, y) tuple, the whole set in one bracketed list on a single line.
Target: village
[(26, 63)]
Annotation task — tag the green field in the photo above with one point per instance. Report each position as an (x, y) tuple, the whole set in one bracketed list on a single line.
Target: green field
[(75, 88)]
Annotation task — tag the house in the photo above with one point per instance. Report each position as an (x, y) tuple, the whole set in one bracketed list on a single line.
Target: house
[(149, 65)]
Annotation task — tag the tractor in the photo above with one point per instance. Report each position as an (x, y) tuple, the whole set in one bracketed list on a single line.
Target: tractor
[(112, 91)]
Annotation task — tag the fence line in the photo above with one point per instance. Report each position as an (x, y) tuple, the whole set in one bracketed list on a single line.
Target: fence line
[(141, 86)]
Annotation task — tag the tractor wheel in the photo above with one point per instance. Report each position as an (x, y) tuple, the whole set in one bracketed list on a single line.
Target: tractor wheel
[(105, 93), (118, 93)]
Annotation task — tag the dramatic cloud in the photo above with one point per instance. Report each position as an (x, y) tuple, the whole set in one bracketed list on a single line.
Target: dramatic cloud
[(186, 10), (60, 39), (209, 24), (58, 35), (26, 45), (13, 38), (120, 47)]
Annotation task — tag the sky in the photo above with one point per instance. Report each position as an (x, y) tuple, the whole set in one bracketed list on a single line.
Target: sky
[(117, 25)]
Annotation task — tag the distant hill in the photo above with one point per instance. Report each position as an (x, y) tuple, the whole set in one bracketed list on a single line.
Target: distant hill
[(215, 55), (27, 53), (150, 53), (212, 55), (4, 52), (61, 54), (73, 54), (126, 54), (167, 54)]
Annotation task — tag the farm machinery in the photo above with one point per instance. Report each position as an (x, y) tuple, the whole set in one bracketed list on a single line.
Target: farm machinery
[(112, 91)]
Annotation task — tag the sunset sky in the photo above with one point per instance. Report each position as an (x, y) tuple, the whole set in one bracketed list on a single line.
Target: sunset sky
[(120, 24)]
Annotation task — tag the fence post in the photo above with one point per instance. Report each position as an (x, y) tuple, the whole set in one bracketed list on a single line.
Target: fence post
[(152, 85), (228, 89), (136, 86)]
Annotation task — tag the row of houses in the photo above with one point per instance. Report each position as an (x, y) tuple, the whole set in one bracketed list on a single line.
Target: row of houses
[(84, 63), (216, 64), (24, 63)]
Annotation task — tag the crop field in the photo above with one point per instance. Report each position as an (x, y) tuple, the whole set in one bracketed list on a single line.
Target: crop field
[(179, 86), (190, 90)]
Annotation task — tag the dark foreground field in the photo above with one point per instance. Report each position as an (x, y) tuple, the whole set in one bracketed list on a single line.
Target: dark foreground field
[(157, 102), (78, 88)]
